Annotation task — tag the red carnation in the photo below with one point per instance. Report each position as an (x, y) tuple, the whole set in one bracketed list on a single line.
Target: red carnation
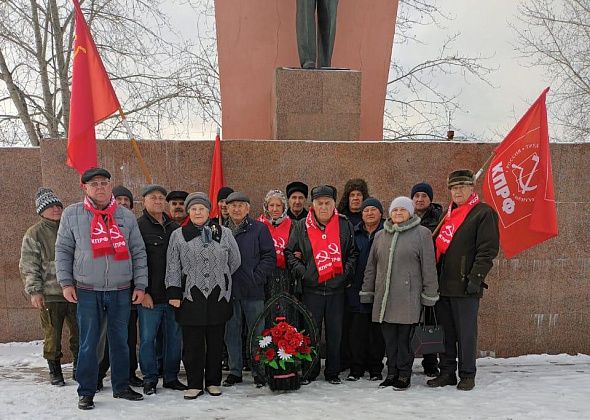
[(257, 357), (282, 344), (290, 349), (266, 332), (270, 354), (304, 350), (306, 340)]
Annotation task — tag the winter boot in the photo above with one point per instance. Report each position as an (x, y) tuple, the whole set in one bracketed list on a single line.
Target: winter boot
[(56, 376), (466, 384), (402, 383), (442, 380)]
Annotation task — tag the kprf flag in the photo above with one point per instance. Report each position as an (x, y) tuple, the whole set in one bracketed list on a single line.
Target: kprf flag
[(93, 98), (519, 183), (217, 181)]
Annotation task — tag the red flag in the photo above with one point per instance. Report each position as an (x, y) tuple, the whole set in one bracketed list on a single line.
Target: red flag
[(217, 180), (93, 98), (519, 183)]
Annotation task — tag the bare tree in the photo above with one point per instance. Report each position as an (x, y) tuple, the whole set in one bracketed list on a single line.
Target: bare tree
[(162, 79), (556, 37), (418, 104)]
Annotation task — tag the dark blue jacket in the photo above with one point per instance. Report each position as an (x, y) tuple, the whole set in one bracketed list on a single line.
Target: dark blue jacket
[(259, 258), (363, 242)]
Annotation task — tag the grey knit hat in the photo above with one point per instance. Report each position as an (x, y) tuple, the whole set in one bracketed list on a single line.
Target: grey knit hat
[(197, 198), (403, 202), (46, 198)]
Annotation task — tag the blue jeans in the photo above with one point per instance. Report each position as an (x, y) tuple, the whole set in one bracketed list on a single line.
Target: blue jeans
[(150, 321), (250, 309), (93, 307)]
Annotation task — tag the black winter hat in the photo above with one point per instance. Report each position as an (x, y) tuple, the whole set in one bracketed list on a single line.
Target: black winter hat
[(177, 195), (422, 187), (371, 201), (223, 193), (92, 172), (297, 186), (120, 190), (323, 191), (46, 198)]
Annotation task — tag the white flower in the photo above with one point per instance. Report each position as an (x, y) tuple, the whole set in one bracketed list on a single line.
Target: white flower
[(284, 355), (264, 341)]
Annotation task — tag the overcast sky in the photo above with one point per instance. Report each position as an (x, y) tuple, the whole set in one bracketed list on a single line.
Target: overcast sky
[(489, 112)]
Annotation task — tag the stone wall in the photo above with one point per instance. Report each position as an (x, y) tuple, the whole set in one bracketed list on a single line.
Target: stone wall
[(537, 302)]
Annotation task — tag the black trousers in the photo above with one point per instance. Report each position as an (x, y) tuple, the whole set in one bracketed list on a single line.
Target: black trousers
[(202, 354), (104, 365), (458, 316), (328, 309), (429, 361), (397, 347), (366, 345)]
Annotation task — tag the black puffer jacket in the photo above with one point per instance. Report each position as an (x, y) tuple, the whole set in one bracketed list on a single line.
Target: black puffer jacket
[(304, 269), (432, 216), (156, 238), (471, 252)]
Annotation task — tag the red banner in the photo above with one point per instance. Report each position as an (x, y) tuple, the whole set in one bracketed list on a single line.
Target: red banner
[(93, 98), (519, 183), (217, 180)]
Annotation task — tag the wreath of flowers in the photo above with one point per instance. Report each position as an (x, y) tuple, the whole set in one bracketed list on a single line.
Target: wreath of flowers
[(281, 345)]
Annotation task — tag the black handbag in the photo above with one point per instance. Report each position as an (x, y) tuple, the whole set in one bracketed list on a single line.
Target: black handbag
[(427, 339)]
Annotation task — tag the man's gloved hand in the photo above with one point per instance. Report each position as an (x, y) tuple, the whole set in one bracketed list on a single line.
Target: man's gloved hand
[(473, 287)]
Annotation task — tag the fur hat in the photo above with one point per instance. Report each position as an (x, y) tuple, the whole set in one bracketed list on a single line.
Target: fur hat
[(46, 198), (355, 184), (403, 202), (460, 177), (297, 186)]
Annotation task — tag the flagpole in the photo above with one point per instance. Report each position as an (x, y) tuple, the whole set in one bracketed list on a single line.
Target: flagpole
[(135, 147)]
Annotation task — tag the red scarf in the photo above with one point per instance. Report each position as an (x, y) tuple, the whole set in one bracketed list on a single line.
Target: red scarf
[(454, 218), (325, 246), (280, 236), (106, 238)]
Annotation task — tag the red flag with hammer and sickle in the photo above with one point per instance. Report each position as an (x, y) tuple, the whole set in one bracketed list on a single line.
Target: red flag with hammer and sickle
[(93, 98), (519, 183)]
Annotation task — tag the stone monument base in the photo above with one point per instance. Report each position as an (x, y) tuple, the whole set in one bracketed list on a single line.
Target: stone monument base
[(316, 104)]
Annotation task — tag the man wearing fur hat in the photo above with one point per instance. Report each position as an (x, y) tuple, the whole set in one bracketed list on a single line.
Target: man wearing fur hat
[(430, 214), (99, 254), (325, 241), (355, 192), (297, 193), (466, 245), (37, 269)]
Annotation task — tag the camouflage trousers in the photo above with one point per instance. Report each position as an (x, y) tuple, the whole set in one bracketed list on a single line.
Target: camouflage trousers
[(53, 317)]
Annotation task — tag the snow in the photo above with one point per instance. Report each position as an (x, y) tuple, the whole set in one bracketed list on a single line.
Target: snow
[(526, 387)]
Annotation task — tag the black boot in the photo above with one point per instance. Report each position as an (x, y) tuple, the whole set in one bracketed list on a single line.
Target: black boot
[(56, 376)]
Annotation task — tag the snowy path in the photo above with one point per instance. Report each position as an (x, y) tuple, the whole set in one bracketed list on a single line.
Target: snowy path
[(528, 387)]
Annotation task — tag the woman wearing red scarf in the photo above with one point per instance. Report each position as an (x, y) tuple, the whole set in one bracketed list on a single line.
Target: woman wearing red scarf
[(275, 218)]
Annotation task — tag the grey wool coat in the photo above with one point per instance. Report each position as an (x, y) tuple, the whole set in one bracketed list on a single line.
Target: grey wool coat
[(401, 273)]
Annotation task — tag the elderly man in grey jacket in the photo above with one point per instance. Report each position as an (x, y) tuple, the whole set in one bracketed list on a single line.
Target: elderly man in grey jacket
[(99, 253)]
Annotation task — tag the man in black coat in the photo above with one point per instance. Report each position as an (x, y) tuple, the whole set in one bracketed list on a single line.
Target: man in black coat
[(430, 214), (156, 227), (467, 243), (297, 193), (322, 255)]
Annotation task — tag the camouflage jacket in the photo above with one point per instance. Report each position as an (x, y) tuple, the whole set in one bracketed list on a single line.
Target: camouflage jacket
[(37, 261)]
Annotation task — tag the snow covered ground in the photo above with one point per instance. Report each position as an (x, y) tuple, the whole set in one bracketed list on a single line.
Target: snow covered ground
[(528, 387)]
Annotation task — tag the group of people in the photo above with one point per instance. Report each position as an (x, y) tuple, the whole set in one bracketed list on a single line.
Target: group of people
[(193, 285)]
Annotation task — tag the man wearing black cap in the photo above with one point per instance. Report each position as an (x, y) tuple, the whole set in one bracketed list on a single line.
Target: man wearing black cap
[(325, 241), (362, 340), (259, 259), (177, 211), (296, 197), (156, 227), (222, 195), (466, 245), (123, 196), (99, 254), (430, 214), (37, 269)]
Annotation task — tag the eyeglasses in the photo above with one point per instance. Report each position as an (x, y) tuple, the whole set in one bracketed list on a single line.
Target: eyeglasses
[(96, 184)]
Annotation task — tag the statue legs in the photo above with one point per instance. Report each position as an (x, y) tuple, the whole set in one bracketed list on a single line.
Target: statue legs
[(307, 39)]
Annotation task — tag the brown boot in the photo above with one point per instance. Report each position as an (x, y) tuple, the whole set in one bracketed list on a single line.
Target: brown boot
[(442, 380), (466, 384)]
